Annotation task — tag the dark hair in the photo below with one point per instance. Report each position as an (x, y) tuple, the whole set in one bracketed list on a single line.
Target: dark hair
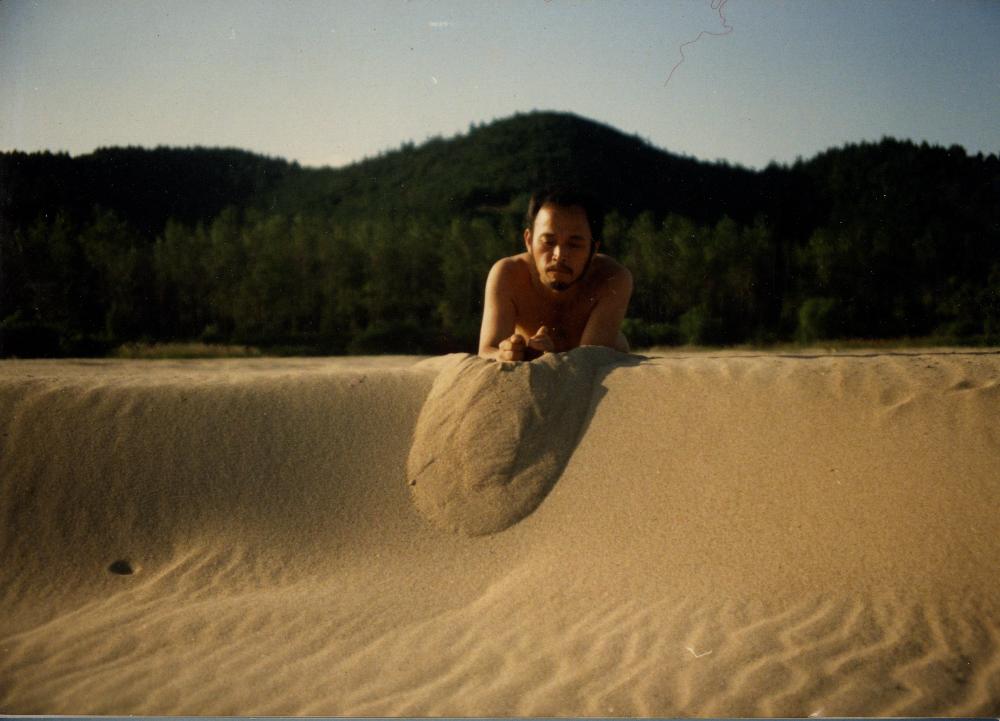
[(567, 197)]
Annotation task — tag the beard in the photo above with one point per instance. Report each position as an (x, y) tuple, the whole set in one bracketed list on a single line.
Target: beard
[(560, 285)]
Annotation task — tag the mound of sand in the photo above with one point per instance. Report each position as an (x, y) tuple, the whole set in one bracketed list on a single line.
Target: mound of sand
[(723, 534), (493, 438)]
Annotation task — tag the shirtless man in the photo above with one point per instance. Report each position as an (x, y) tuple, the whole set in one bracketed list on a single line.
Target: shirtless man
[(560, 293)]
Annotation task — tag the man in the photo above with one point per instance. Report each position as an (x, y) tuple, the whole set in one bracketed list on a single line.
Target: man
[(560, 293)]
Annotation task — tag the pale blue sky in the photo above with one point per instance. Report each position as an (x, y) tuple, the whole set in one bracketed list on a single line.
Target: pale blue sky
[(326, 83)]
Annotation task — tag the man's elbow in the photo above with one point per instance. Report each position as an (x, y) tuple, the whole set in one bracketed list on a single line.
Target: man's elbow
[(601, 343), (488, 352)]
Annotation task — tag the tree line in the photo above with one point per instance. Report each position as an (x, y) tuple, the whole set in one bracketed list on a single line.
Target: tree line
[(876, 240)]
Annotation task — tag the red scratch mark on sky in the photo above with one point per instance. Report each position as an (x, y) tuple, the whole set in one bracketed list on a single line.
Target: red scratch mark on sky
[(720, 7)]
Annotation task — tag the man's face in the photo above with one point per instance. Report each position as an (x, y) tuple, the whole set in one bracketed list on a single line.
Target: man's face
[(560, 244)]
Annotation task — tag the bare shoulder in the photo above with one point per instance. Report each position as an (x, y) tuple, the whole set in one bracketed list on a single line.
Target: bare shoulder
[(510, 271), (607, 264), (610, 275)]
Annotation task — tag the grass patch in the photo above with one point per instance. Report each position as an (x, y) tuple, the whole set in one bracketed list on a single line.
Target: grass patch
[(154, 351), (842, 344)]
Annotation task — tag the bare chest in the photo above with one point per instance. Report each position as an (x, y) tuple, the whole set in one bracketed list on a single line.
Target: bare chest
[(565, 323)]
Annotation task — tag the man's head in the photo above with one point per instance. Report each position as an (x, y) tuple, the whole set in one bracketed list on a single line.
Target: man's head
[(562, 233)]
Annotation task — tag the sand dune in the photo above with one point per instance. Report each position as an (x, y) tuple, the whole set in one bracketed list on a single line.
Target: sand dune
[(700, 534)]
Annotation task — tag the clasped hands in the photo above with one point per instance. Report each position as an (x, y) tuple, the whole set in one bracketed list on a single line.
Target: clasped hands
[(516, 348)]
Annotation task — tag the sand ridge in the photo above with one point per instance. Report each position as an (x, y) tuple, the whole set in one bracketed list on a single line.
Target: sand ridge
[(493, 438), (733, 534)]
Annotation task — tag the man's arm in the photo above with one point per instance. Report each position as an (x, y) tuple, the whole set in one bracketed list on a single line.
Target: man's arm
[(497, 340), (605, 322)]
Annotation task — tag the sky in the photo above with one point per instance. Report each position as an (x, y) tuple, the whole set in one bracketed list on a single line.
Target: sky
[(329, 83)]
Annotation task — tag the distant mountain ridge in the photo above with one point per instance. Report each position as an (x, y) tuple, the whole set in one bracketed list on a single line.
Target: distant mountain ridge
[(496, 163), (491, 166)]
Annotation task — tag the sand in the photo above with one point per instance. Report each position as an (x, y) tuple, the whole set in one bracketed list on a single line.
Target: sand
[(685, 534), (492, 439)]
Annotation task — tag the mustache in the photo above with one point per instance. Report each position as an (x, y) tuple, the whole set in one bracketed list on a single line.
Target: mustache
[(558, 266)]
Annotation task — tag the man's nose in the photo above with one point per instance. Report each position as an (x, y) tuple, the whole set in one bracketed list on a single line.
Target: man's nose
[(556, 252)]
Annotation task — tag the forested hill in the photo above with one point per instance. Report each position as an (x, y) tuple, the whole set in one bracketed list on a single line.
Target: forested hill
[(495, 166), (145, 187), (490, 167), (871, 240)]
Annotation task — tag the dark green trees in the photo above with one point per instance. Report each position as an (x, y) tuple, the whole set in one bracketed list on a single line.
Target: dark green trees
[(876, 240)]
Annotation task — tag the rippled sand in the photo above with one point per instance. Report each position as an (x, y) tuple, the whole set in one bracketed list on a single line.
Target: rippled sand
[(726, 534)]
